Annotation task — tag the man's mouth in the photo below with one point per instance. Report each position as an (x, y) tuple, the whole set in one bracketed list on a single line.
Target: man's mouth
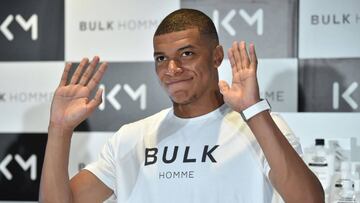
[(176, 81)]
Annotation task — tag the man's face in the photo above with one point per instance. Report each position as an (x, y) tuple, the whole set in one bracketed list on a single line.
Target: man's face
[(185, 66)]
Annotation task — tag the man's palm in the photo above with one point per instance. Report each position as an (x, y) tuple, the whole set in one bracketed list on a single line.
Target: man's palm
[(71, 104), (244, 90)]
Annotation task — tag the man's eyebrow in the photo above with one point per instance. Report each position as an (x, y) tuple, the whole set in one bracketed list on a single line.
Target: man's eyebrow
[(158, 53), (179, 49), (186, 47)]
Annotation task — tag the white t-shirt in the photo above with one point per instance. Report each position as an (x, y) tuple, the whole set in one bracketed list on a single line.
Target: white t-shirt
[(210, 158)]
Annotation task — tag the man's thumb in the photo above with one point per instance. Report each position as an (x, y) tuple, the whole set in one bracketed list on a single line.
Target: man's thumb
[(224, 87)]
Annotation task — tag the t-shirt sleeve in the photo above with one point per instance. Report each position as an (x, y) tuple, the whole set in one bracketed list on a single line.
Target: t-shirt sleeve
[(104, 167), (290, 136)]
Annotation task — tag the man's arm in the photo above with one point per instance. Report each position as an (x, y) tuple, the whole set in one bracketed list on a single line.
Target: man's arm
[(70, 106), (288, 174)]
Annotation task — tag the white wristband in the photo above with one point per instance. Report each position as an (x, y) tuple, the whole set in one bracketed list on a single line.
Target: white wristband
[(254, 109)]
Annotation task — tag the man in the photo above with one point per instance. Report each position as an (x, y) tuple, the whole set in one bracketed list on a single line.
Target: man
[(201, 150)]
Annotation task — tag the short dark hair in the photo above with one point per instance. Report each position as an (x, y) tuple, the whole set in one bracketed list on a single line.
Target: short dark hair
[(186, 18)]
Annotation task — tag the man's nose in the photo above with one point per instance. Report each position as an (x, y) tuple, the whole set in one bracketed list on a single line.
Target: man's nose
[(174, 68)]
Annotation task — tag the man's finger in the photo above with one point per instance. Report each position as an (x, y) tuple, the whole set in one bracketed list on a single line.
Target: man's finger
[(65, 74), (232, 62), (253, 57), (79, 69), (95, 79), (237, 57), (223, 86), (89, 70), (244, 55), (95, 102)]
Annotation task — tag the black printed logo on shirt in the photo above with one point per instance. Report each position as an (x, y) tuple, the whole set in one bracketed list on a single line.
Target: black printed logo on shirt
[(151, 155)]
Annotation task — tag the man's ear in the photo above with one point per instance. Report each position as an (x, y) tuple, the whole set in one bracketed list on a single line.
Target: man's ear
[(218, 55)]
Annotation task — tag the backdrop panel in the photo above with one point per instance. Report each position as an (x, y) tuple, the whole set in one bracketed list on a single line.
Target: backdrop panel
[(329, 29), (271, 25), (31, 30), (26, 90), (272, 75), (126, 99), (329, 85), (117, 30)]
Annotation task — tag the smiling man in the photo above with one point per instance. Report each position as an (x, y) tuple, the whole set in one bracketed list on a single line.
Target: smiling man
[(218, 143)]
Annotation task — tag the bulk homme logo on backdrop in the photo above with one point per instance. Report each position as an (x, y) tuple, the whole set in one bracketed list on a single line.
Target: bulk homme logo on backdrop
[(334, 19), (329, 85), (26, 35), (135, 99), (346, 95), (22, 155), (256, 18), (26, 25), (30, 163), (135, 94), (151, 158), (132, 24), (274, 95), (120, 25), (23, 97)]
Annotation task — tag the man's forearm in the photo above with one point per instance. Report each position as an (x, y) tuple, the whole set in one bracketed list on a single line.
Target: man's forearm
[(54, 185), (289, 174)]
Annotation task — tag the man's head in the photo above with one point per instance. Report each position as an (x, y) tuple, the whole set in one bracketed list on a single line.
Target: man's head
[(187, 54), (184, 19)]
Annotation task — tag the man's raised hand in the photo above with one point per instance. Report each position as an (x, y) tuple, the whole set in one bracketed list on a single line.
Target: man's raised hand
[(244, 90), (71, 103)]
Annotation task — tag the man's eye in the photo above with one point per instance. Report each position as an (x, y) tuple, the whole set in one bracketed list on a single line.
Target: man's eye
[(160, 58), (187, 53)]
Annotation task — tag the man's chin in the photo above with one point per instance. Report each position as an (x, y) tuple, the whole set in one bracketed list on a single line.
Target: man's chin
[(181, 100)]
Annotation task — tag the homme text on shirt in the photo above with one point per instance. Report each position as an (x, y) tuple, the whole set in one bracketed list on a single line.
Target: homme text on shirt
[(176, 174)]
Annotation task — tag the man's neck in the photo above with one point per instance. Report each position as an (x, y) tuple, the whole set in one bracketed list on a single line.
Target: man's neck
[(198, 108)]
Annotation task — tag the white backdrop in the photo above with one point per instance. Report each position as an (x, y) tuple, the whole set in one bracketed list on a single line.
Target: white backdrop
[(308, 69)]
